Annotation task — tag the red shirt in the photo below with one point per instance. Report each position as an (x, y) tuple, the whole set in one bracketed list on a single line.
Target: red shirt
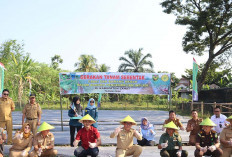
[(88, 136)]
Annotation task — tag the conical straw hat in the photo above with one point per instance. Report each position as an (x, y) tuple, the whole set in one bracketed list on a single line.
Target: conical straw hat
[(229, 118), (87, 117), (128, 119), (171, 125), (45, 126), (208, 122)]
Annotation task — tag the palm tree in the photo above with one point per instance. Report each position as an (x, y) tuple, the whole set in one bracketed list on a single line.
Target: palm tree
[(103, 68), (56, 60), (135, 62), (87, 63)]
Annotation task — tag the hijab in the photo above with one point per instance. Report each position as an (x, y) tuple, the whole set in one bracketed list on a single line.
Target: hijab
[(91, 106), (25, 135), (76, 107), (145, 127)]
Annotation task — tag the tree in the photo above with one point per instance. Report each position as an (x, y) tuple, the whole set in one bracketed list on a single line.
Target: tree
[(56, 60), (209, 28), (22, 69), (103, 68), (221, 78), (87, 63), (135, 62)]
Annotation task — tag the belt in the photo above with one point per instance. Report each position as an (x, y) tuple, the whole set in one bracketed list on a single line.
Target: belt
[(31, 118)]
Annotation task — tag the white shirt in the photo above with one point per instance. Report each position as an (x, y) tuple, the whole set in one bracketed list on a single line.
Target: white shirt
[(220, 122)]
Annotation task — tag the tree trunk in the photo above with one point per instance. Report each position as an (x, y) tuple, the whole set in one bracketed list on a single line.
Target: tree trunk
[(20, 92), (204, 73)]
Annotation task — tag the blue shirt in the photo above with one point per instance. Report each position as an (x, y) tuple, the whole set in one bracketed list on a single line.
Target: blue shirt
[(147, 133)]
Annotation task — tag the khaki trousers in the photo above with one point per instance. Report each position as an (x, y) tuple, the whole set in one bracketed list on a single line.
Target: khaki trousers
[(48, 152), (8, 125), (15, 153), (33, 124), (226, 152), (135, 151)]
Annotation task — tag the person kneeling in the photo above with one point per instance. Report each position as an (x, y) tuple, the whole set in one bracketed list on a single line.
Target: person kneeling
[(22, 142), (44, 142), (169, 140), (89, 137), (125, 136), (207, 142)]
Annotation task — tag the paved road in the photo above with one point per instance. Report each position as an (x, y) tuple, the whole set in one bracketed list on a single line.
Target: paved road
[(108, 121)]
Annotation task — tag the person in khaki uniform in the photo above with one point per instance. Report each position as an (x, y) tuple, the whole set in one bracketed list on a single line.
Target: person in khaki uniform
[(44, 142), (226, 139), (125, 136), (6, 107), (194, 127), (176, 121), (2, 140), (32, 113), (22, 142)]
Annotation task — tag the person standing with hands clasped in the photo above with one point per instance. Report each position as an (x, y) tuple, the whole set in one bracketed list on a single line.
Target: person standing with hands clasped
[(169, 140), (6, 107), (32, 113), (125, 136), (75, 113), (207, 142), (92, 110), (89, 137)]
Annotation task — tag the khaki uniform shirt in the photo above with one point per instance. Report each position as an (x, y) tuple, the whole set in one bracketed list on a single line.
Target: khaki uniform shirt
[(6, 106), (226, 134), (39, 140), (32, 110), (125, 138), (175, 121), (195, 124), (21, 144)]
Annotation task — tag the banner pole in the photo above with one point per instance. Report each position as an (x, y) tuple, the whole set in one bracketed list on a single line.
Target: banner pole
[(61, 112)]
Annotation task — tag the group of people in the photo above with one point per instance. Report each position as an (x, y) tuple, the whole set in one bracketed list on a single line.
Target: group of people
[(212, 137), (27, 136)]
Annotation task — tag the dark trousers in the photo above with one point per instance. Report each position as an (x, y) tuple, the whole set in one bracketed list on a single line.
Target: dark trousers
[(81, 152), (145, 142), (218, 152), (172, 153), (72, 133)]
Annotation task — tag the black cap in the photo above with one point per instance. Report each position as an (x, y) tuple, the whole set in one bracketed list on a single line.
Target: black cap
[(32, 95)]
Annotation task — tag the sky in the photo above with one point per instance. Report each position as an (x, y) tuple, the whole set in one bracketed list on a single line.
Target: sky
[(102, 28)]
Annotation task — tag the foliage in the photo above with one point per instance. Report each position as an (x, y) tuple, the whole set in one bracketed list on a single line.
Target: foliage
[(87, 63), (209, 29), (222, 78), (103, 68), (56, 60), (135, 62)]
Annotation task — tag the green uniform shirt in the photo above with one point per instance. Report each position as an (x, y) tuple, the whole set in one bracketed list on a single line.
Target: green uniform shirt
[(172, 141)]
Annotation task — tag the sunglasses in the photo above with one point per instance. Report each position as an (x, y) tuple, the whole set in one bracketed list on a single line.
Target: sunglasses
[(91, 101), (5, 94), (216, 111)]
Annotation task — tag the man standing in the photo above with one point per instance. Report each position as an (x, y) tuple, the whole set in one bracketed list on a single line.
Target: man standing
[(6, 107), (226, 139), (32, 113), (194, 127), (219, 119)]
